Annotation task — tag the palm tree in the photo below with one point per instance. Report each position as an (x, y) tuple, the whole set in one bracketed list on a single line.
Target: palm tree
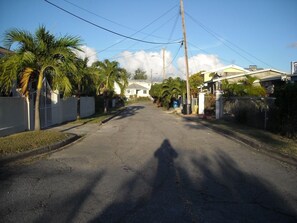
[(171, 88), (111, 73), (38, 55), (83, 80)]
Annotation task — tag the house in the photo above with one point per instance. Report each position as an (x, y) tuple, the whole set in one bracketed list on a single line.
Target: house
[(268, 78), (294, 72), (136, 88), (212, 78), (4, 51)]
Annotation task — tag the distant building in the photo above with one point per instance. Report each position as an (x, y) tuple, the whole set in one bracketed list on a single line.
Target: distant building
[(294, 72), (268, 78), (136, 88), (4, 51)]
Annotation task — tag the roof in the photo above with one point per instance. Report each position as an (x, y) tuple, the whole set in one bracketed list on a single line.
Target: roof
[(226, 67), (279, 75), (4, 51), (137, 86)]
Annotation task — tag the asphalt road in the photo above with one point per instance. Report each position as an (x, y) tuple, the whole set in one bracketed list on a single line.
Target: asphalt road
[(149, 166)]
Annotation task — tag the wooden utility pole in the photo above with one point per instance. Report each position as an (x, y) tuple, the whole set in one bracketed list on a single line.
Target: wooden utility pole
[(164, 74), (186, 56)]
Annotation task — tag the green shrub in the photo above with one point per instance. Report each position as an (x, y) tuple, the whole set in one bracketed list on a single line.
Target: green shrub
[(286, 103)]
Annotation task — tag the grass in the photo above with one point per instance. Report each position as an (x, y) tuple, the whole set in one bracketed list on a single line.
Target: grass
[(97, 117), (274, 141), (30, 140)]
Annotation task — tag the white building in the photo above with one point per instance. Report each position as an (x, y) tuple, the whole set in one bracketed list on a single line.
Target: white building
[(136, 88)]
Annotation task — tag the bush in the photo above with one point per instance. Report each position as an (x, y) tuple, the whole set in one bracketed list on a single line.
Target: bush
[(286, 112)]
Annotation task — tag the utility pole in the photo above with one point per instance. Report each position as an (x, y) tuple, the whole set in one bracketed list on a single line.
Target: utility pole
[(186, 56), (164, 74)]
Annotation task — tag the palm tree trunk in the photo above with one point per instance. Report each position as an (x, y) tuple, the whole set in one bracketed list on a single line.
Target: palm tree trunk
[(37, 102)]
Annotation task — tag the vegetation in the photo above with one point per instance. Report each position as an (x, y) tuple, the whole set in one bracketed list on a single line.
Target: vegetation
[(25, 141), (38, 55), (140, 75), (244, 87), (110, 73), (169, 90), (42, 55), (195, 81), (285, 116)]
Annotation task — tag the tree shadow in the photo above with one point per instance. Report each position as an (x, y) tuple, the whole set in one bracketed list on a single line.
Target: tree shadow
[(214, 190), (207, 187), (222, 192), (129, 111), (52, 201)]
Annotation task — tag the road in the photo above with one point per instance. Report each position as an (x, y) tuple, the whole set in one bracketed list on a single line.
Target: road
[(150, 166)]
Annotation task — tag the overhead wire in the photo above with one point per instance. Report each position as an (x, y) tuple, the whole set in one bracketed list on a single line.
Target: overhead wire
[(143, 29), (101, 17), (106, 29), (220, 38)]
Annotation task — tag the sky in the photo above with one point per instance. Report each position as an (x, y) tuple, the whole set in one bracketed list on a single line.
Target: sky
[(219, 32)]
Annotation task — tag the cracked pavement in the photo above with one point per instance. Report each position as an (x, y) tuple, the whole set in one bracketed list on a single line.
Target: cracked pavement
[(149, 166)]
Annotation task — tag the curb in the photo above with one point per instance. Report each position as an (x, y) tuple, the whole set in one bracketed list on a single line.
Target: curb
[(253, 144), (42, 150), (54, 147)]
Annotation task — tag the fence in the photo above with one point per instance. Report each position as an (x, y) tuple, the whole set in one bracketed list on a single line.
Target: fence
[(253, 111), (17, 113), (13, 115)]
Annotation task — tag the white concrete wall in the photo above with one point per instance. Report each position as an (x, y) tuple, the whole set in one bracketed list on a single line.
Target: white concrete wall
[(87, 106), (69, 109), (13, 115), (14, 112)]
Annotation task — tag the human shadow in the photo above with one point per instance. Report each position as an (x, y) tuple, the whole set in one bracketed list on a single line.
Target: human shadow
[(161, 201), (183, 186), (213, 189)]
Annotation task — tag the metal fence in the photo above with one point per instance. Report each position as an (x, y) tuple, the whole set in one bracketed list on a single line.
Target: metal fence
[(253, 111)]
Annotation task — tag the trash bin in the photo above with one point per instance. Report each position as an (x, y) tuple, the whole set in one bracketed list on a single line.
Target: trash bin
[(175, 104), (184, 110)]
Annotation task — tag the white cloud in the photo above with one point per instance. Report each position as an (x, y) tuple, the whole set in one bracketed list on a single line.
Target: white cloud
[(88, 52), (151, 62), (198, 63)]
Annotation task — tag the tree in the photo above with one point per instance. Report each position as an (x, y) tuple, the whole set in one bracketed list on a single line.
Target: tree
[(244, 87), (110, 73), (83, 80), (140, 75), (38, 55), (171, 88), (195, 81), (156, 93)]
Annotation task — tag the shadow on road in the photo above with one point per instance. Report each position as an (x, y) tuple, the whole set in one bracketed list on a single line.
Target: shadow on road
[(206, 189), (215, 191), (130, 111)]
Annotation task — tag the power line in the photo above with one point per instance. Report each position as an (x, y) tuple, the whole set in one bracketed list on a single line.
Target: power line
[(103, 28), (111, 21), (218, 37), (143, 29), (207, 52)]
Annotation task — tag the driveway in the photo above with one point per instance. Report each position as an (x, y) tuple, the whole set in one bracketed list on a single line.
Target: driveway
[(149, 166)]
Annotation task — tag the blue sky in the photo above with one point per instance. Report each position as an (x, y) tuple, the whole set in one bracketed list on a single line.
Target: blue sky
[(245, 32)]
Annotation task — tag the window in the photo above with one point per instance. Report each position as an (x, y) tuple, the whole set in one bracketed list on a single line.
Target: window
[(144, 91), (128, 91)]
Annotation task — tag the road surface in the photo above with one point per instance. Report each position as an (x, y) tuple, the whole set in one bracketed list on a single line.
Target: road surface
[(150, 166)]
